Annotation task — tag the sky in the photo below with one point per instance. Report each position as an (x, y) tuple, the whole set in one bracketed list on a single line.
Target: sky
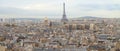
[(54, 8)]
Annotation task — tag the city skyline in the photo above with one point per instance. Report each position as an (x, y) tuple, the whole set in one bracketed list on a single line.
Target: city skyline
[(46, 8)]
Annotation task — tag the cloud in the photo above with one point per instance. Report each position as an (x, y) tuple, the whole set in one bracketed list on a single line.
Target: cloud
[(24, 12), (92, 7)]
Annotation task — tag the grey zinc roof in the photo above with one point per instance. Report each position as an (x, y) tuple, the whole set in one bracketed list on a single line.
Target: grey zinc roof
[(43, 49)]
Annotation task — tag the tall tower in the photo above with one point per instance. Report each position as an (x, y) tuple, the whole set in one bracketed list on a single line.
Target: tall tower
[(64, 18)]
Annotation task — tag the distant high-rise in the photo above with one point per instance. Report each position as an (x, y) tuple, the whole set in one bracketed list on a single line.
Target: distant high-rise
[(64, 18)]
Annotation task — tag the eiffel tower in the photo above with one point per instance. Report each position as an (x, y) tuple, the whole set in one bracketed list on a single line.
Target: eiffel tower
[(64, 18)]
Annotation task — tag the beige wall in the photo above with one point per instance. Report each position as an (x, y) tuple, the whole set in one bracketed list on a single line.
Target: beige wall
[(2, 48)]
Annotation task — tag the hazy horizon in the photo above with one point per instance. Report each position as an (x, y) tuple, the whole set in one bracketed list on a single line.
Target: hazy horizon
[(54, 8)]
